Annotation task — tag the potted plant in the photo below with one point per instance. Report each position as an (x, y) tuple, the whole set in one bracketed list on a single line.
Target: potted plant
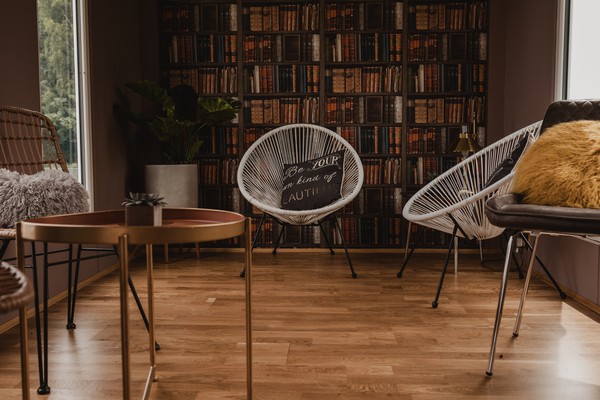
[(143, 209), (177, 121)]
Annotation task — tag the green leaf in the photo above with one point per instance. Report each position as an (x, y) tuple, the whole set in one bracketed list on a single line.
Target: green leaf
[(178, 138), (150, 91)]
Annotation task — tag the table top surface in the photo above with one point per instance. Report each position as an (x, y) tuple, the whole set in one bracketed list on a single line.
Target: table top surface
[(179, 225)]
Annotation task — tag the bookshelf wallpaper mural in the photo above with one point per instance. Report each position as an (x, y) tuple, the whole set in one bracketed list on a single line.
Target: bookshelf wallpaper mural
[(399, 80)]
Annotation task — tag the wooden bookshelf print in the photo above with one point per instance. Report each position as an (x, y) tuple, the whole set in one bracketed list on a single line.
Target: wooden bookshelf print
[(398, 79)]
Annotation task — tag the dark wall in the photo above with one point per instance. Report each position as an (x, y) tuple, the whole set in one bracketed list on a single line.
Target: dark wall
[(529, 61), (123, 49), (19, 72), (114, 60), (497, 50)]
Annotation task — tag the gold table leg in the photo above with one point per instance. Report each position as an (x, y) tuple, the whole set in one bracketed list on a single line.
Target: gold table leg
[(248, 262), (23, 321), (124, 264), (151, 336)]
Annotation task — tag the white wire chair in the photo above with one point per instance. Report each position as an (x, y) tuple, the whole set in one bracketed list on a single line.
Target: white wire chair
[(260, 176), (454, 202)]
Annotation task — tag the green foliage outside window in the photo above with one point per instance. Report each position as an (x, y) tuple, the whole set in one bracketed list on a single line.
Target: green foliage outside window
[(57, 71)]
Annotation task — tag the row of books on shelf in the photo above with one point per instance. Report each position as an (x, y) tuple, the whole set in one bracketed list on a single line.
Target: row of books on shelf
[(427, 140), (430, 237), (281, 79), (433, 78), (357, 231), (421, 170), (205, 80), (447, 46), (251, 134), (373, 139), (221, 140), (281, 17), (363, 109), (380, 231), (198, 17), (380, 171), (450, 15), (349, 47), (387, 202), (360, 16), (364, 79), (189, 48), (376, 200), (387, 139), (221, 198), (445, 110), (282, 48), (215, 171), (294, 235), (287, 110)]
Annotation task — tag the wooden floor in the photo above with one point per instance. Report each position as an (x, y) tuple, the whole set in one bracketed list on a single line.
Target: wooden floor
[(319, 334)]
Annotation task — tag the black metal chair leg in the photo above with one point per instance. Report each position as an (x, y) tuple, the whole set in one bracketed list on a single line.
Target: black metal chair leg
[(136, 297), (279, 238), (326, 238), (72, 299), (412, 250), (434, 304), (501, 296), (562, 294), (72, 294), (260, 224), (5, 243), (354, 275), (43, 388)]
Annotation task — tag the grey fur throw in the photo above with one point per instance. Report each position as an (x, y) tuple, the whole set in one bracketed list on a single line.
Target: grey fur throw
[(49, 192)]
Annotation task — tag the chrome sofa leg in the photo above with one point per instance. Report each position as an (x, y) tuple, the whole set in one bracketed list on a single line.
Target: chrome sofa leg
[(536, 239), (501, 296)]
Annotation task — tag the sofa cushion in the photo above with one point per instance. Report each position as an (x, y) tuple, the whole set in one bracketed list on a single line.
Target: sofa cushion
[(49, 192), (562, 168), (313, 184)]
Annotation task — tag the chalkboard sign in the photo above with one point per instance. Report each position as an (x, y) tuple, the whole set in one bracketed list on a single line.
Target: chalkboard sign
[(314, 183)]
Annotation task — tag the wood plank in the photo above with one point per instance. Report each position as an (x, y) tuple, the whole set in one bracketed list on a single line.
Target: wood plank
[(319, 334)]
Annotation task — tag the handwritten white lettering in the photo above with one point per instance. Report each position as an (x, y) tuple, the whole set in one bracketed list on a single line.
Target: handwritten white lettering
[(332, 159)]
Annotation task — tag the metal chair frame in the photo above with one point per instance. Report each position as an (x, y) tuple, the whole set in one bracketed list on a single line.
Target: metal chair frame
[(454, 202), (260, 176)]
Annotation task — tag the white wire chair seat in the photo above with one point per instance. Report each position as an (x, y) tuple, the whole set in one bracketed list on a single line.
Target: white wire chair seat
[(260, 172), (260, 176), (460, 193), (454, 202)]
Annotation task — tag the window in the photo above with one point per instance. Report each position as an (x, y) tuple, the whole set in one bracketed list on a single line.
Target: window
[(582, 56), (59, 77)]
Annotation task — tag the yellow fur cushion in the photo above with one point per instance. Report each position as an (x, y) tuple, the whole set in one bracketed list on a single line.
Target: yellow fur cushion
[(562, 168)]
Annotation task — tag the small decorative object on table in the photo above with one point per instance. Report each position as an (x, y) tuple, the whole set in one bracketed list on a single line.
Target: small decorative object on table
[(143, 209)]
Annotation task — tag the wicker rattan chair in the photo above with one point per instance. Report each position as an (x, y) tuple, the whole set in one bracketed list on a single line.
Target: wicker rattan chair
[(15, 293), (260, 176), (29, 144), (454, 202)]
